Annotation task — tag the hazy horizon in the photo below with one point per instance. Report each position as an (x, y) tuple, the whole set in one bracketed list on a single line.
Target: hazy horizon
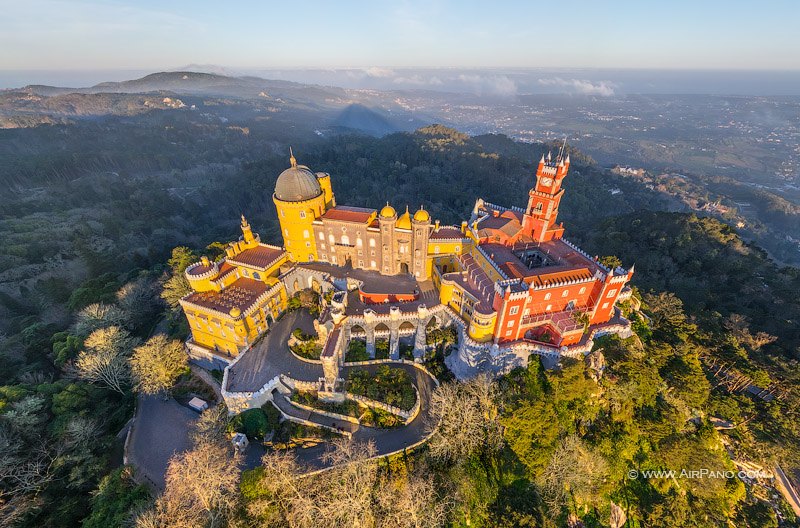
[(502, 82)]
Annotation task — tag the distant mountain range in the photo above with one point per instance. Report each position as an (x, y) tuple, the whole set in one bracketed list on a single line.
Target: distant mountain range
[(350, 109)]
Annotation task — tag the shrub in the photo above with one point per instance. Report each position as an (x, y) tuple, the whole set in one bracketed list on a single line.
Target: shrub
[(356, 351), (381, 349), (252, 422), (389, 385)]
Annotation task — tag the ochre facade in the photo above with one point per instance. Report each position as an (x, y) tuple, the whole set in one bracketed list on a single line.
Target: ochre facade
[(508, 272)]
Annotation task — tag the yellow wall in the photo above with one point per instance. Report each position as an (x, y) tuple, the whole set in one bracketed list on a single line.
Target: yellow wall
[(228, 334), (327, 190), (481, 327), (293, 226)]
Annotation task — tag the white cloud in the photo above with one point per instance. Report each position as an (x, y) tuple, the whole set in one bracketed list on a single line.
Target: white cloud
[(418, 80), (379, 72), (582, 86), (490, 84)]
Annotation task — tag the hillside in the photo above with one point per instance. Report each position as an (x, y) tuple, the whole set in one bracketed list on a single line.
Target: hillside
[(78, 225)]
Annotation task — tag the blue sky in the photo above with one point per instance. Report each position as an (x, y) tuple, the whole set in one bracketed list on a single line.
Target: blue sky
[(105, 34)]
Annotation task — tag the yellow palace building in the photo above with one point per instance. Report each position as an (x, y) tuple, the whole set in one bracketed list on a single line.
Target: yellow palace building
[(236, 299)]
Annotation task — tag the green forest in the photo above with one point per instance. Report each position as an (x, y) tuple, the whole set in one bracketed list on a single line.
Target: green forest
[(88, 238)]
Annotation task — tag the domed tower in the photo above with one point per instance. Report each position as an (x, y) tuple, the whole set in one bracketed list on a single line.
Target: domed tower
[(299, 199), (420, 232), (387, 220)]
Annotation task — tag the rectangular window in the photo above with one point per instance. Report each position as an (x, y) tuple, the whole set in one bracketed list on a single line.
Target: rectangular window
[(302, 214), (514, 310), (511, 324), (611, 293), (605, 305), (549, 308)]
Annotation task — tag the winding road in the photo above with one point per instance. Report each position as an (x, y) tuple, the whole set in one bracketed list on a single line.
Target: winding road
[(161, 427), (271, 357)]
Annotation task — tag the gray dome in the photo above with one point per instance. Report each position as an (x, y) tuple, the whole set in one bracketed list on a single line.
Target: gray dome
[(296, 184)]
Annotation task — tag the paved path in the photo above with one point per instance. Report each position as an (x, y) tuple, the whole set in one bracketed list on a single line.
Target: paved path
[(386, 440), (286, 407), (160, 429), (787, 490), (271, 356)]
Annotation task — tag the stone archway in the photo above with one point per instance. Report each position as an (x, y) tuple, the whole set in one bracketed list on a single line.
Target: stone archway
[(406, 327), (383, 338), (406, 340), (403, 267), (357, 331)]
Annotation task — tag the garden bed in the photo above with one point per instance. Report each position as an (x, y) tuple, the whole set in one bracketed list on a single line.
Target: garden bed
[(388, 385), (346, 408), (305, 345)]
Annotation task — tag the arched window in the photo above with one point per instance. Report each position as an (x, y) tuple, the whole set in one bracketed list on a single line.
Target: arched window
[(371, 242), (305, 233), (547, 296), (345, 240), (321, 235), (331, 239), (256, 275), (359, 243), (436, 249), (565, 293), (582, 290)]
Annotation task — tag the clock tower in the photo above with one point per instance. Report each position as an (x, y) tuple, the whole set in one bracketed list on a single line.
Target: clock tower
[(543, 200)]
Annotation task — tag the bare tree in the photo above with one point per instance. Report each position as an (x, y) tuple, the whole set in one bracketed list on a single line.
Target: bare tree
[(738, 326), (575, 469), (618, 517), (202, 489), (465, 419), (411, 501), (105, 358), (138, 300), (212, 426), (95, 316), (157, 364), (341, 497)]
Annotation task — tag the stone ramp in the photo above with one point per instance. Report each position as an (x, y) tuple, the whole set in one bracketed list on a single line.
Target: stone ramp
[(306, 417)]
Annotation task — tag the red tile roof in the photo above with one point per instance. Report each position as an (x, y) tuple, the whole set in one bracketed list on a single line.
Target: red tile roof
[(560, 276), (447, 232), (344, 213), (242, 294), (199, 269), (258, 257)]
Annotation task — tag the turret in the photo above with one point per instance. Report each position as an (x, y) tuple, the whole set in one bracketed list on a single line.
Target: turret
[(247, 232)]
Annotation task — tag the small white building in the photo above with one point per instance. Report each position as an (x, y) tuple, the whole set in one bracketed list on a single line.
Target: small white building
[(198, 405), (240, 442)]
